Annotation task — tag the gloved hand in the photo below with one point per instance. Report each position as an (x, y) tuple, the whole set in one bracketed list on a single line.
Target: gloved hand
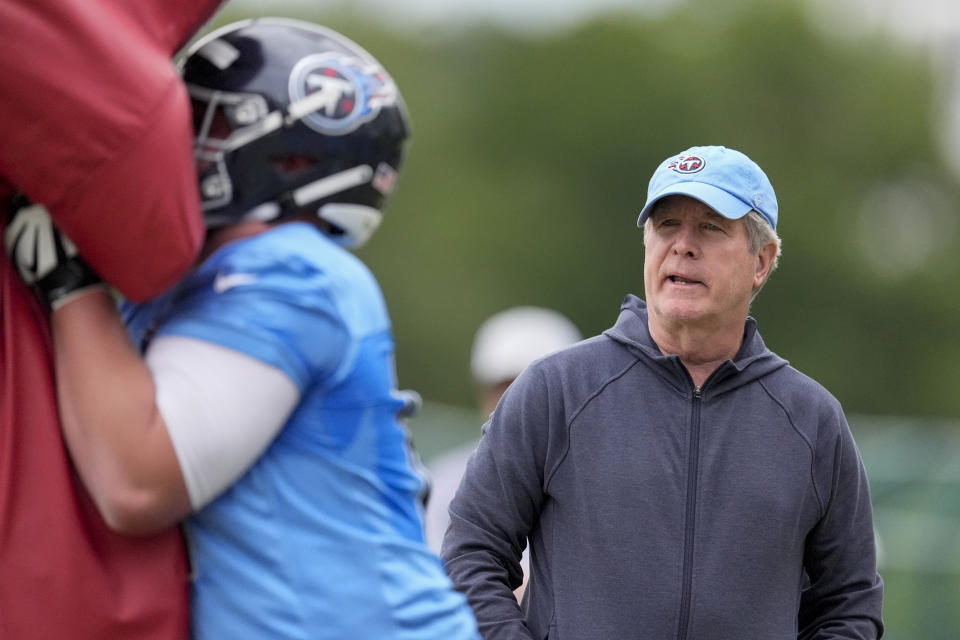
[(412, 403), (44, 257)]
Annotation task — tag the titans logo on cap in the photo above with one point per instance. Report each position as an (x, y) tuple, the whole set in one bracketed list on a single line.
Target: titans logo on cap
[(687, 164), (344, 91)]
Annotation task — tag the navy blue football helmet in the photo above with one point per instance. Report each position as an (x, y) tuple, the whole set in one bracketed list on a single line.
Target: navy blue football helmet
[(291, 117)]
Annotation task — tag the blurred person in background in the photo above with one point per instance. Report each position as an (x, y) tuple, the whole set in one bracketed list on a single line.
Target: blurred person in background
[(95, 122), (257, 398), (508, 341), (727, 482), (502, 348)]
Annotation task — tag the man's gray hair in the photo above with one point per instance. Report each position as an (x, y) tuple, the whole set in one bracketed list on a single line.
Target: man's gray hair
[(761, 234)]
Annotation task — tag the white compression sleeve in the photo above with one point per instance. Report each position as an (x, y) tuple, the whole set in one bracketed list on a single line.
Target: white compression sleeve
[(222, 409)]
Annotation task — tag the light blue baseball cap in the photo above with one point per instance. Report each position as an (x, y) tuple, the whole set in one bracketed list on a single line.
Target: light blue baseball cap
[(724, 179)]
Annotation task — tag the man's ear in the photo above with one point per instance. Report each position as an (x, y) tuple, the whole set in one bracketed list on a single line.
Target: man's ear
[(765, 258)]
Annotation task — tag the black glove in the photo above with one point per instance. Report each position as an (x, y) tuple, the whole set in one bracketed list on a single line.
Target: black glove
[(412, 402), (45, 258)]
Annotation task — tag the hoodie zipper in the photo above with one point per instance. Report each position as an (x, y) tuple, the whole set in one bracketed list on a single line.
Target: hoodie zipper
[(693, 469)]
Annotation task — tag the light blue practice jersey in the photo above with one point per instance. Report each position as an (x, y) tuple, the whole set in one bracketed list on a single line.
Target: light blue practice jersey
[(323, 536)]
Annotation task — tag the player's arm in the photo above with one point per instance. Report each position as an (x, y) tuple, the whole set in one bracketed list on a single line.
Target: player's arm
[(116, 435), (154, 438)]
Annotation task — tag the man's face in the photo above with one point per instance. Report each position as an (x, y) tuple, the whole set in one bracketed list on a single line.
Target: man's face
[(698, 268)]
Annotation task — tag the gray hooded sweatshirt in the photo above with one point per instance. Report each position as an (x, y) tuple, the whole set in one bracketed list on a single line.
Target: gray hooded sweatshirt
[(656, 510)]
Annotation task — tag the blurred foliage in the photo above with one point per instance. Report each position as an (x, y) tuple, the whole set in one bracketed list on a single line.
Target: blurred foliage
[(531, 156)]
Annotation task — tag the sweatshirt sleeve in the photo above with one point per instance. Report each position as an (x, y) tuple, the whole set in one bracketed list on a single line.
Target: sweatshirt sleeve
[(845, 592), (496, 506)]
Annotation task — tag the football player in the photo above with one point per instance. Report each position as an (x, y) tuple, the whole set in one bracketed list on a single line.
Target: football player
[(257, 398)]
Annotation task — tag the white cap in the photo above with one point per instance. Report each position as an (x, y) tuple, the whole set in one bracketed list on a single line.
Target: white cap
[(510, 340)]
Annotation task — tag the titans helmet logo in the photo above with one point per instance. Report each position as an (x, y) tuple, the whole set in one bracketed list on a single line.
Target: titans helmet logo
[(340, 91)]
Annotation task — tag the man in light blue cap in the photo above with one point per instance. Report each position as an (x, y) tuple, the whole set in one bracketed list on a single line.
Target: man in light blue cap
[(675, 478), (727, 186)]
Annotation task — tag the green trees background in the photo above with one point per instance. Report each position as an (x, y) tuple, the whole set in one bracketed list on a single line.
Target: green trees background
[(531, 156)]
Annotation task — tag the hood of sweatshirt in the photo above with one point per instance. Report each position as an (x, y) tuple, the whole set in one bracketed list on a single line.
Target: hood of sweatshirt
[(753, 361)]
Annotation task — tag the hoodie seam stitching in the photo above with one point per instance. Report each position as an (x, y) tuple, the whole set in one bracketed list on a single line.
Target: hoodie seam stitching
[(806, 440), (576, 413)]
